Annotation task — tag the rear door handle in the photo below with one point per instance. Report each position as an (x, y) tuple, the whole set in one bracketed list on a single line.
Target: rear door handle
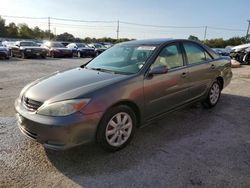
[(184, 74)]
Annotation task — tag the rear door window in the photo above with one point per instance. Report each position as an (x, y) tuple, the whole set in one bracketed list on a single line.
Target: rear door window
[(195, 53)]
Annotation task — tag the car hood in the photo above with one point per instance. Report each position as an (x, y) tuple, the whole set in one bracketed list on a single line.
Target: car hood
[(85, 48), (32, 47), (3, 48), (69, 84), (55, 48)]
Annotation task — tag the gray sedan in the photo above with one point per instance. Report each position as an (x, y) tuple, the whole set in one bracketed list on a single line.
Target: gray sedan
[(127, 86)]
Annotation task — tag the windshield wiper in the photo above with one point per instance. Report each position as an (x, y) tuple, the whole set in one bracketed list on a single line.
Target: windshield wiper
[(101, 70)]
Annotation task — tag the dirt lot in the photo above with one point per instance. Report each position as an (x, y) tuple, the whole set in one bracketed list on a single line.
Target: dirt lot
[(190, 148)]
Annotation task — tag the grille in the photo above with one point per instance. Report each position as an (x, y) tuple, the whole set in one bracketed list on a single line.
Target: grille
[(30, 104)]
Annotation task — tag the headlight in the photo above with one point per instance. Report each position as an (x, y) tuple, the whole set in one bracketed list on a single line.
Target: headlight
[(62, 108)]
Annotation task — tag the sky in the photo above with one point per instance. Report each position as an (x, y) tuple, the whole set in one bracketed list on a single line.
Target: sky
[(180, 18)]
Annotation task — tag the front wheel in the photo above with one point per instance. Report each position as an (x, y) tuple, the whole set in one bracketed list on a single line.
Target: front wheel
[(116, 128), (213, 95)]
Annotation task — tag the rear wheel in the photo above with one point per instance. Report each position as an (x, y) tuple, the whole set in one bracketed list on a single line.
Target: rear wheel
[(213, 95), (116, 128)]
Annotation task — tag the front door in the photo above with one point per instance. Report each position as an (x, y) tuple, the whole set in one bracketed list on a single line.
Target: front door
[(165, 91)]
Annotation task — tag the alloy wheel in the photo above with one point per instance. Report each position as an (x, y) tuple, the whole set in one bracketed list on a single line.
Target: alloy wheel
[(119, 129)]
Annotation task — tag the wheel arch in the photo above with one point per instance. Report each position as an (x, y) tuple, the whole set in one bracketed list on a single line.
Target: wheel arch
[(221, 81)]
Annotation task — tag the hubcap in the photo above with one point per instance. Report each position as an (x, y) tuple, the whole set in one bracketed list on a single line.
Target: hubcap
[(119, 129), (214, 93)]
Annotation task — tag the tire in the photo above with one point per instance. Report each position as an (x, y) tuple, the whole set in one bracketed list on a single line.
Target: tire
[(7, 57), (53, 54), (213, 95), (111, 135), (97, 53)]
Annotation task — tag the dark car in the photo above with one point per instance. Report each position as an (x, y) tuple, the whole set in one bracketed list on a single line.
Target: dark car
[(4, 52), (25, 49), (222, 51), (127, 86), (57, 49), (8, 45), (99, 48), (82, 50)]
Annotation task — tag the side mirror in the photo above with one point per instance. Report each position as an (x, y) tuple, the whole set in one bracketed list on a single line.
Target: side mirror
[(158, 70), (17, 45)]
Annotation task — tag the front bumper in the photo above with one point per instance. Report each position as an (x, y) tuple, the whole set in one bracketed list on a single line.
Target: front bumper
[(63, 53), (4, 54), (57, 133), (88, 53), (35, 53)]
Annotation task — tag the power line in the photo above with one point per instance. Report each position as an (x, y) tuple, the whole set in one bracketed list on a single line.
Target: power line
[(87, 21), (226, 29), (24, 17), (162, 26)]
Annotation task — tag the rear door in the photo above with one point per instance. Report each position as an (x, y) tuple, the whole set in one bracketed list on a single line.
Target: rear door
[(200, 68), (163, 92)]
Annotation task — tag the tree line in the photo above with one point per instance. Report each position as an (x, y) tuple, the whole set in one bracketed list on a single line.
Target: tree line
[(25, 32), (220, 42)]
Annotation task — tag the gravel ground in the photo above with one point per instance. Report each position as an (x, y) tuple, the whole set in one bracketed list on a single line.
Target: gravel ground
[(193, 147)]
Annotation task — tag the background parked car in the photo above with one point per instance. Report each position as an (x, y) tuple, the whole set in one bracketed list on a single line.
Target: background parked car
[(107, 44), (99, 48), (238, 52), (81, 50), (9, 45), (26, 49), (4, 52), (222, 51), (57, 49)]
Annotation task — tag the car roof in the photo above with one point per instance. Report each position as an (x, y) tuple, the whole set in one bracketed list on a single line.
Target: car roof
[(149, 41)]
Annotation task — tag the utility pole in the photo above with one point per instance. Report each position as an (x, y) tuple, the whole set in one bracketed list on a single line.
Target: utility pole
[(205, 34), (49, 26), (247, 37), (118, 29)]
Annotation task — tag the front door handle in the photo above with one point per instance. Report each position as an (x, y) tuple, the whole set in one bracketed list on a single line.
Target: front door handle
[(184, 74), (212, 66)]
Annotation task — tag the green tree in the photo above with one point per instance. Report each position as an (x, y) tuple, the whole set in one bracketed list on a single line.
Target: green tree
[(3, 31), (65, 37), (192, 37), (25, 32), (12, 30)]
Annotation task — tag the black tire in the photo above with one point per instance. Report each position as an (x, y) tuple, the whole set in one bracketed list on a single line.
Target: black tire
[(7, 57), (97, 53), (43, 57), (209, 102), (52, 54), (101, 136)]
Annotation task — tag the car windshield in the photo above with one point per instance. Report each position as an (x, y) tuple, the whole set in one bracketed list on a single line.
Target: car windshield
[(28, 44), (99, 46), (123, 59), (57, 45), (81, 45)]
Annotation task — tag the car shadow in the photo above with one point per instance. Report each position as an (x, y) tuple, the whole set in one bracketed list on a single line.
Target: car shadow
[(90, 160)]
